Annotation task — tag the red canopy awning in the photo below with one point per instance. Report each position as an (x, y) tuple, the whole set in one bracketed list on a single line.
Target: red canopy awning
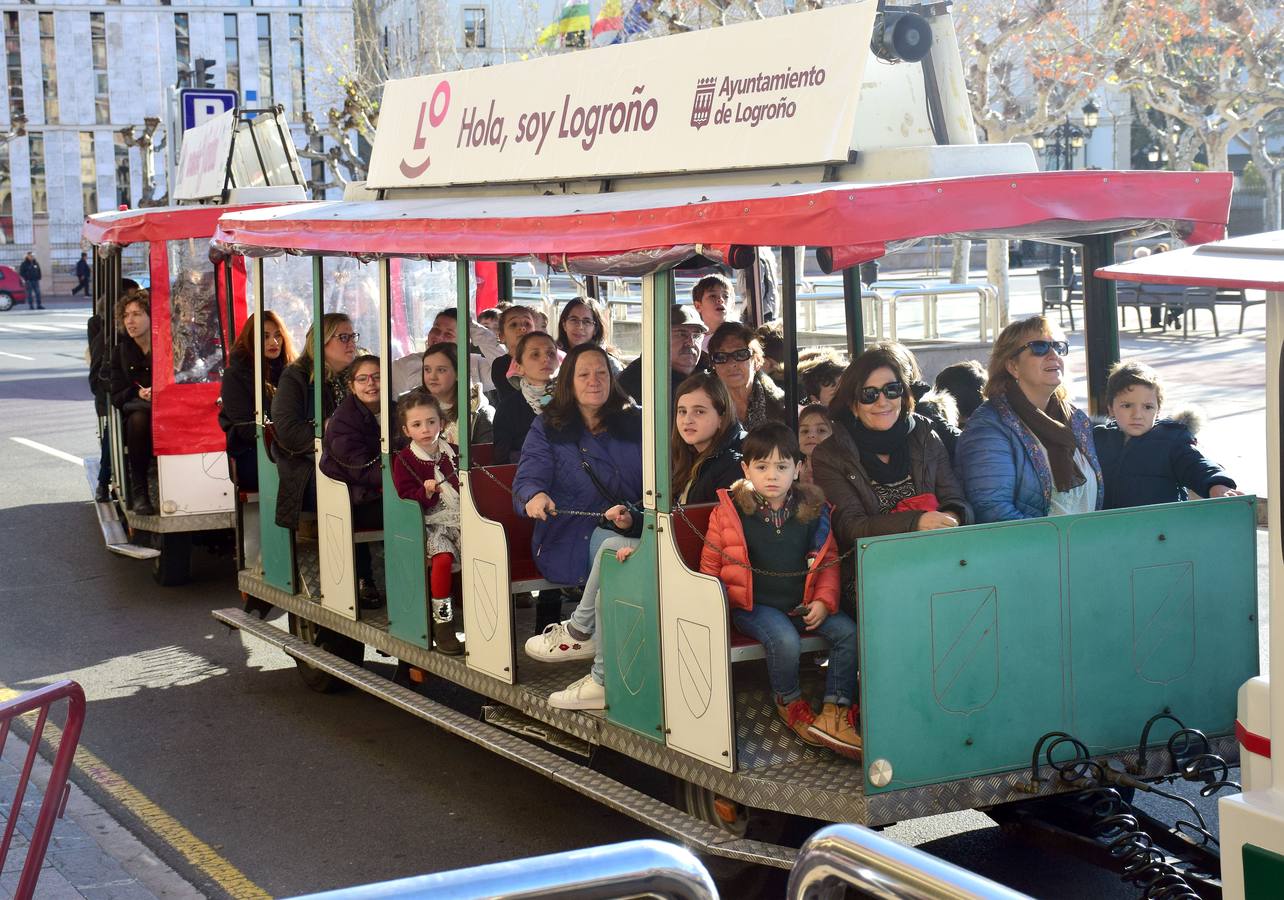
[(159, 223), (861, 218)]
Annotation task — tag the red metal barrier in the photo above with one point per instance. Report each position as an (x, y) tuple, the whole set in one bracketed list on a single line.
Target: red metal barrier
[(55, 799)]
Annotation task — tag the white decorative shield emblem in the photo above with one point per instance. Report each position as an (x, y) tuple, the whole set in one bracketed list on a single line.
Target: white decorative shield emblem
[(695, 666), (483, 591), (1163, 621)]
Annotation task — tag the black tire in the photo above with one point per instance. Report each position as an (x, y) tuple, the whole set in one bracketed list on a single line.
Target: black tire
[(340, 645), (6, 301), (174, 565), (736, 878)]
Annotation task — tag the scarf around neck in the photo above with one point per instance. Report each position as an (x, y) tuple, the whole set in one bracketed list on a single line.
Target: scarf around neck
[(870, 444), (536, 397), (1051, 425)]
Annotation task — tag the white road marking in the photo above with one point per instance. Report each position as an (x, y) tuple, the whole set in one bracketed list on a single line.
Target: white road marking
[(18, 356), (31, 326), (52, 451)]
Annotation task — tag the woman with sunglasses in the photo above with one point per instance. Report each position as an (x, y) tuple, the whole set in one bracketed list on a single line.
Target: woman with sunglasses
[(294, 415), (884, 468), (737, 361), (1026, 452)]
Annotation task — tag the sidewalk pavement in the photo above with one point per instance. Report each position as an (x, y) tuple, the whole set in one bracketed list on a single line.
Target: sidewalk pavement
[(90, 855)]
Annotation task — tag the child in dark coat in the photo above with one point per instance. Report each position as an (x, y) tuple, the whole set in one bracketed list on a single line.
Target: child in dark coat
[(1145, 459), (427, 472)]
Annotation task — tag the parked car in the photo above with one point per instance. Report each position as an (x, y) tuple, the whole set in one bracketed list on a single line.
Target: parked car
[(12, 289)]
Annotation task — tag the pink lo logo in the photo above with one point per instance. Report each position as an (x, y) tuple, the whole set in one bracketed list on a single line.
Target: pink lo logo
[(440, 98)]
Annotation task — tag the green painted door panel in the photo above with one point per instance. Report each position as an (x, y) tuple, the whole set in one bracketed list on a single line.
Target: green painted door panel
[(961, 657), (629, 627), (1163, 604), (403, 547), (1263, 873), (276, 542)]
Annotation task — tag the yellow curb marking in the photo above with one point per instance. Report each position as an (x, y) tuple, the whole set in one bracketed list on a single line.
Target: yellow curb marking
[(162, 824)]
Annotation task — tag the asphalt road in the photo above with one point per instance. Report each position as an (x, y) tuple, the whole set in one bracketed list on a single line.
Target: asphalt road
[(298, 791)]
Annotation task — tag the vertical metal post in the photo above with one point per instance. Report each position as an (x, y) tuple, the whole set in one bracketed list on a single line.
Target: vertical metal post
[(1100, 318), (318, 345), (789, 319), (505, 272), (855, 311), (231, 305), (463, 370)]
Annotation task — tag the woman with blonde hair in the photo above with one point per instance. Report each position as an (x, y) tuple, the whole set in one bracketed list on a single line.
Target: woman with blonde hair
[(1026, 451)]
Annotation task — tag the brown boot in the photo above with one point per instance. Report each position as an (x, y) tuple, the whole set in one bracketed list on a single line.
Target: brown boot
[(799, 717), (834, 729), (443, 627)]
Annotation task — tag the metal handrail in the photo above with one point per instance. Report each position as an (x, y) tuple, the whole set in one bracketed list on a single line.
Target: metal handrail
[(652, 868), (58, 788), (881, 868)]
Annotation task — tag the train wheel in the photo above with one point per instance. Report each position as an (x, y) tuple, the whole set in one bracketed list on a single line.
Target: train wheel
[(174, 565), (736, 878), (330, 641)]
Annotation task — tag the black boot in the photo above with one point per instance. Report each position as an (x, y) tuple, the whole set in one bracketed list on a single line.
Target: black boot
[(443, 627), (103, 495), (142, 502)]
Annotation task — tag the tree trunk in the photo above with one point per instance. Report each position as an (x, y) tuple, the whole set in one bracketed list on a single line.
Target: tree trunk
[(961, 268), (996, 267)]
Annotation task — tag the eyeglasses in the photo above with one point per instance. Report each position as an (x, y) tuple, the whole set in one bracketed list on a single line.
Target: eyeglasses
[(580, 323), (1041, 348), (348, 337), (893, 390), (740, 355), (366, 379)]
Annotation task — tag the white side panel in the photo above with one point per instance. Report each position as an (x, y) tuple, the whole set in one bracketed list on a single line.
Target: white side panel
[(334, 534), (1274, 484), (695, 648), (488, 608), (195, 483)]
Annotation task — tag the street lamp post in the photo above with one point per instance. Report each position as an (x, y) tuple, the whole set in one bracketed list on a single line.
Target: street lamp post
[(1061, 144)]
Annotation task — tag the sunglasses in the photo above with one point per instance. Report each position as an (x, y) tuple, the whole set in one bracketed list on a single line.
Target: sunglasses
[(1041, 348), (893, 390), (719, 358), (347, 337)]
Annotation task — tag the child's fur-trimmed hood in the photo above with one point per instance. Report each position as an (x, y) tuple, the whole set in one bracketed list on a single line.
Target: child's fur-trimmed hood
[(811, 500)]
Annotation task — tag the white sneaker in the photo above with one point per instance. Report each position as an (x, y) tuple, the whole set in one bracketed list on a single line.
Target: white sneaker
[(583, 694), (555, 644)]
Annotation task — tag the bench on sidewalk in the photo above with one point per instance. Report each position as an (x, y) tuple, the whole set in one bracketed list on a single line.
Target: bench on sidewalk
[(690, 544)]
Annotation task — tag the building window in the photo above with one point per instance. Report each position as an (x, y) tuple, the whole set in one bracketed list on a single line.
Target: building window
[(6, 197), (36, 164), (265, 60), (231, 50), (124, 194), (88, 173), (49, 66), (298, 83), (13, 63), (98, 45), (474, 26), (183, 49)]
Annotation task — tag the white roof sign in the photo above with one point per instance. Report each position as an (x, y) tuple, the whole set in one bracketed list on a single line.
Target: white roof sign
[(202, 165), (775, 92)]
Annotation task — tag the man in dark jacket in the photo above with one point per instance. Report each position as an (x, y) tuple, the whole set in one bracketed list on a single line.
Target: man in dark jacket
[(29, 272), (99, 386), (82, 276), (686, 334)]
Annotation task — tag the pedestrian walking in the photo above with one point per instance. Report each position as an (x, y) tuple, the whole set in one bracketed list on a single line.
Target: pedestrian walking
[(82, 276), (29, 272)]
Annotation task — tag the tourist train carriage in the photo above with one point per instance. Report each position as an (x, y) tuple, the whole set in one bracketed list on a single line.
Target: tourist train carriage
[(975, 642)]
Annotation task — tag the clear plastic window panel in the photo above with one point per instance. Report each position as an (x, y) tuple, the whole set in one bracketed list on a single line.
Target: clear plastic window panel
[(352, 287), (196, 342), (420, 290), (287, 291)]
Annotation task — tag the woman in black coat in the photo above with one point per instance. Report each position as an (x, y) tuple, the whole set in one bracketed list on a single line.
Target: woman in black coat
[(537, 361), (294, 415), (236, 399), (131, 393), (705, 444)]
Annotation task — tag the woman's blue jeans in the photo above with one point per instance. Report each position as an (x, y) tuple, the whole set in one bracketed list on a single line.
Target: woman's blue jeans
[(781, 638)]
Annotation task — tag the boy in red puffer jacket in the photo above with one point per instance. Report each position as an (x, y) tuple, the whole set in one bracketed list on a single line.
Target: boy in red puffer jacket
[(769, 521)]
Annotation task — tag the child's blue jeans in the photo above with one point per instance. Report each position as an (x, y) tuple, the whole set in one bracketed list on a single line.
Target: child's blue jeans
[(780, 635)]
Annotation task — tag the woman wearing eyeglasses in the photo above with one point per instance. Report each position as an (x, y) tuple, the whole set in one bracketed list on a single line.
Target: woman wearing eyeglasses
[(1026, 451), (737, 361), (581, 323), (294, 414), (884, 468)]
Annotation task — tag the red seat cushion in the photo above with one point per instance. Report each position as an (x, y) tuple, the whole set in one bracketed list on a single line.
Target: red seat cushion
[(691, 540)]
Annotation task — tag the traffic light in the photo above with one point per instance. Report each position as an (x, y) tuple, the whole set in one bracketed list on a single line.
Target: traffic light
[(204, 73)]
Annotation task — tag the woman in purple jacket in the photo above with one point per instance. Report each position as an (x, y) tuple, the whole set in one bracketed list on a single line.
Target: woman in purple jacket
[(350, 453), (583, 454)]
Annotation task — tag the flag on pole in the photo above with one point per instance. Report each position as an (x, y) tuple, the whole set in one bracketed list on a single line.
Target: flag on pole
[(575, 20), (547, 36), (636, 21), (606, 29)]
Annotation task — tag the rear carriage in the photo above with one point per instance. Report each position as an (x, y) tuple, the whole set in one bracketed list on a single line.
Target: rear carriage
[(975, 642)]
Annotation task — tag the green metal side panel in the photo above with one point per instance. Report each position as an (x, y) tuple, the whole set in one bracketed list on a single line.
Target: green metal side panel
[(629, 626), (1163, 605), (403, 547), (275, 541), (1263, 874), (960, 640)]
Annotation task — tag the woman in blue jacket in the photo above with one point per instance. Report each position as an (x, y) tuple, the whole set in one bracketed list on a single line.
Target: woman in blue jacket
[(583, 454), (1026, 451)]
